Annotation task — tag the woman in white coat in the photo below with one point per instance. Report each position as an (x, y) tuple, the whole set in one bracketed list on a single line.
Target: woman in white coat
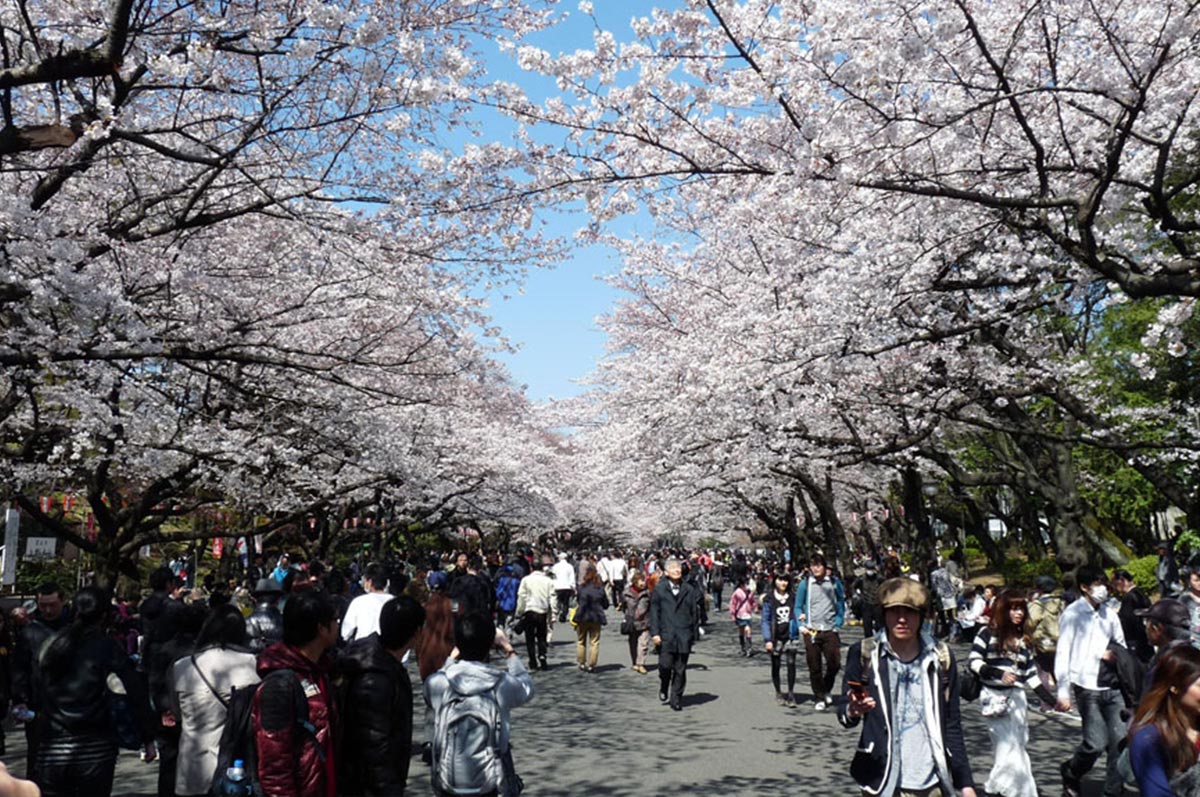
[(201, 685)]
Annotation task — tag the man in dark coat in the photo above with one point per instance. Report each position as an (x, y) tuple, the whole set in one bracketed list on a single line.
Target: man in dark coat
[(377, 704), (162, 616), (674, 624), (52, 615), (1133, 601), (1166, 571)]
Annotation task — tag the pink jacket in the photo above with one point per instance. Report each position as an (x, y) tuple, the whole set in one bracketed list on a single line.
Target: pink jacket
[(742, 604)]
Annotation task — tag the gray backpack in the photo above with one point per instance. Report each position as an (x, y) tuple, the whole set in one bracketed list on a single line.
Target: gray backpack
[(466, 745)]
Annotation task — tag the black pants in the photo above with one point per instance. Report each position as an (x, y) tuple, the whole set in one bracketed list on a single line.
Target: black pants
[(564, 603), (167, 741), (79, 767), (672, 672), (872, 619), (824, 655), (535, 638), (502, 618), (776, 660), (32, 736)]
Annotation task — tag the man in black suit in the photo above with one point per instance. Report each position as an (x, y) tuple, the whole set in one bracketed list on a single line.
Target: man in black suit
[(674, 620)]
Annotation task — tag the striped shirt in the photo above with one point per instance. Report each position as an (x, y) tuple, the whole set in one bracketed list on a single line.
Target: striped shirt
[(990, 663)]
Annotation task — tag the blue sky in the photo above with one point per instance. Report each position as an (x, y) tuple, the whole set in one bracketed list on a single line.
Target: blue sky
[(553, 321)]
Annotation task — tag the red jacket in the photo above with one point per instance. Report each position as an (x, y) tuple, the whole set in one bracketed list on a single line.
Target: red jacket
[(290, 763)]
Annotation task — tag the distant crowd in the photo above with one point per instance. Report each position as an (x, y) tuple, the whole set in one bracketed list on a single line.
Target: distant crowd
[(297, 680)]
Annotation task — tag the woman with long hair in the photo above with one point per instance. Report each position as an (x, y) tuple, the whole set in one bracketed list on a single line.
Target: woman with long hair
[(591, 603), (1165, 732), (201, 686), (636, 605), (77, 753), (433, 644), (1002, 657)]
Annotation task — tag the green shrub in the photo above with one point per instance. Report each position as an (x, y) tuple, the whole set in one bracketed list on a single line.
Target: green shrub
[(1187, 542), (1142, 570), (1019, 573)]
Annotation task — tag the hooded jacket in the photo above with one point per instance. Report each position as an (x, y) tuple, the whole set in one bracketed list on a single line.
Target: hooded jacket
[(512, 686), (377, 720), (291, 762), (873, 767)]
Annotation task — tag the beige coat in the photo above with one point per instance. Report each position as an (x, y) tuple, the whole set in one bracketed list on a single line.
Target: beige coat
[(201, 714)]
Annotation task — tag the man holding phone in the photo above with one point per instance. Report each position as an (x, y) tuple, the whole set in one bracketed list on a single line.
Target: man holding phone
[(904, 683)]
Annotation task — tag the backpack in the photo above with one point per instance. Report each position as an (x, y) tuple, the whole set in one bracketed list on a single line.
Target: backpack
[(237, 737), (1049, 609), (466, 745)]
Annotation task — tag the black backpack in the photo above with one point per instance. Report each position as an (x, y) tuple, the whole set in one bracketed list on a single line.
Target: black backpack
[(237, 738)]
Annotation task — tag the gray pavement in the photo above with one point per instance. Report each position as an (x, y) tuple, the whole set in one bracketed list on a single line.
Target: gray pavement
[(605, 733)]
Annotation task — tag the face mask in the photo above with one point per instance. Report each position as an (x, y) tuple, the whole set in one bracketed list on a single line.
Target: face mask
[(1099, 593)]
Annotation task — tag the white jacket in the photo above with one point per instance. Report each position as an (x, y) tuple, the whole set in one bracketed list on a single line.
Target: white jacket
[(564, 575), (1084, 633), (536, 593)]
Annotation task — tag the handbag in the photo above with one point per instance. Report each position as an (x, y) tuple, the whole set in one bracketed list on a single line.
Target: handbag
[(627, 626), (993, 703), (969, 685)]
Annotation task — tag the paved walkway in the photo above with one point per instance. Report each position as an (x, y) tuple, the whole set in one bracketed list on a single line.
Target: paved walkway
[(605, 735)]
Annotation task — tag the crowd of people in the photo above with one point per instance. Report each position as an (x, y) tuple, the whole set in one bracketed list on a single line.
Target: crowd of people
[(294, 681)]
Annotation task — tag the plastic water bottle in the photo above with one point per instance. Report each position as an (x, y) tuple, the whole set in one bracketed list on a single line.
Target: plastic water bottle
[(236, 783)]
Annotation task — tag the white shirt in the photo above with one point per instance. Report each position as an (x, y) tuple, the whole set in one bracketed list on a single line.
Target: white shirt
[(618, 569), (1083, 636), (564, 575), (362, 616)]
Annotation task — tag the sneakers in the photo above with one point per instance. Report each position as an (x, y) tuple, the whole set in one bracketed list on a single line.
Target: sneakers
[(820, 705), (662, 697), (779, 699), (789, 700), (1071, 785)]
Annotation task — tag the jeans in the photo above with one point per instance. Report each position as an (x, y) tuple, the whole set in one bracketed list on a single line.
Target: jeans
[(587, 642), (824, 648), (1102, 732)]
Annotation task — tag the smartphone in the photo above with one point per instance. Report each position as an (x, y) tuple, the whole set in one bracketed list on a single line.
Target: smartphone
[(858, 689)]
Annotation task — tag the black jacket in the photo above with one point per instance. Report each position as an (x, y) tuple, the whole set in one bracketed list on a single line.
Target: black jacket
[(471, 593), (377, 716), (74, 700), (675, 618), (161, 620), (1133, 626), (29, 641)]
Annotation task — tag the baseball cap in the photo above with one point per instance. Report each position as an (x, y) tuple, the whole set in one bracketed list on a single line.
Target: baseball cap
[(903, 592), (1167, 611)]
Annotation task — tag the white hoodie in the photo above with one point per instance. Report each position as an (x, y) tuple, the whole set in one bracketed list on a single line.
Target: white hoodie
[(513, 687)]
